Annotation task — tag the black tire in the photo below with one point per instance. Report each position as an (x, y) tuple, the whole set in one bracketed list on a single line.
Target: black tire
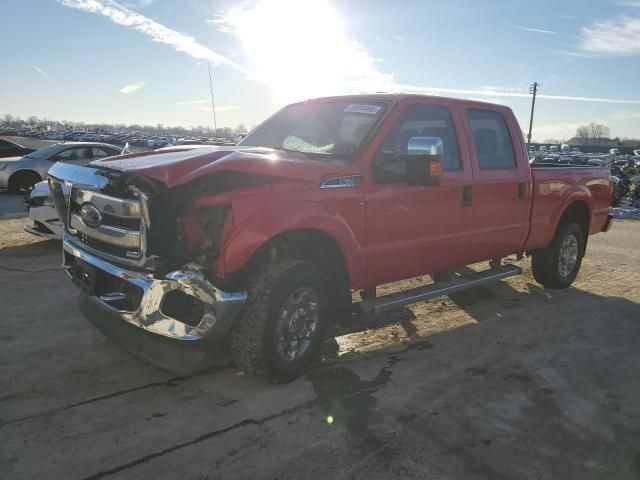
[(253, 338), (545, 263), (23, 181)]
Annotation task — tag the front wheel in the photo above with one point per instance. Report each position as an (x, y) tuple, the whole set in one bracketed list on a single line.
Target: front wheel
[(282, 325), (558, 265)]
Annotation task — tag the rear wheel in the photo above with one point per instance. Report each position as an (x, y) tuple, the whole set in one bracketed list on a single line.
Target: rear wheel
[(281, 327), (23, 181), (558, 265)]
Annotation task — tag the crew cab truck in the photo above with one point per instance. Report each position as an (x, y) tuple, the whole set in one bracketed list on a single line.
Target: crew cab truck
[(187, 254)]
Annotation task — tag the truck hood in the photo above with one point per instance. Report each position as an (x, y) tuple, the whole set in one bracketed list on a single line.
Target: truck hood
[(180, 166)]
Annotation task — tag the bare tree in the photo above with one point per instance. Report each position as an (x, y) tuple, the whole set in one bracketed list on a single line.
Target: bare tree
[(592, 133), (599, 130)]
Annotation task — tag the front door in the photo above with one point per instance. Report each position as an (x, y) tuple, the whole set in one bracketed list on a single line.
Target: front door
[(415, 230)]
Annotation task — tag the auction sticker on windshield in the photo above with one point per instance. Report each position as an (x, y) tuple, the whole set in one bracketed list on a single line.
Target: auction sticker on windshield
[(356, 108)]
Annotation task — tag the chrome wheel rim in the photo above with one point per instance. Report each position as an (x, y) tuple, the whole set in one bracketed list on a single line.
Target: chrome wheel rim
[(568, 256), (297, 323)]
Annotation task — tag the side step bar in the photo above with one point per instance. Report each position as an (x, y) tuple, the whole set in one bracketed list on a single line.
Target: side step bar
[(372, 306)]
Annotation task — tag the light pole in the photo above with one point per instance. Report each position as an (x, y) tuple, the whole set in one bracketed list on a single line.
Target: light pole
[(533, 89)]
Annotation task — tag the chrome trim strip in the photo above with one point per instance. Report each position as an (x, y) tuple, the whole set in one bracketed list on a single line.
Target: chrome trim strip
[(105, 233), (119, 207), (220, 308), (77, 175)]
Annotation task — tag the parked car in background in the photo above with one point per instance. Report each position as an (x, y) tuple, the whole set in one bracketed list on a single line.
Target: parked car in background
[(21, 173), (53, 136), (9, 148), (45, 220)]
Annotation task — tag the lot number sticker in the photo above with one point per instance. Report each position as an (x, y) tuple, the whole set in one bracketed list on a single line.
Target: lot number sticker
[(370, 109)]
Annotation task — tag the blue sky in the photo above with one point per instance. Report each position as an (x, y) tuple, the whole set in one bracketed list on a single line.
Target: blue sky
[(145, 61)]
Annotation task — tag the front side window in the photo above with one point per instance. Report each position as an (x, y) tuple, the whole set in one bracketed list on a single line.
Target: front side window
[(321, 129), (417, 120), (78, 155), (492, 141)]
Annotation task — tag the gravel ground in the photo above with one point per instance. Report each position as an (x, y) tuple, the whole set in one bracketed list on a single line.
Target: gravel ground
[(508, 381)]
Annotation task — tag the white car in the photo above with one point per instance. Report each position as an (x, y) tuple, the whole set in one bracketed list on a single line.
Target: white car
[(43, 212)]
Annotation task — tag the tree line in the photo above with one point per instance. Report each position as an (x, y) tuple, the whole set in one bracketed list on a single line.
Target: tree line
[(597, 134)]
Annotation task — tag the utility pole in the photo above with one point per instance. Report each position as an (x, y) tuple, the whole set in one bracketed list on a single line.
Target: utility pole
[(533, 89), (213, 105)]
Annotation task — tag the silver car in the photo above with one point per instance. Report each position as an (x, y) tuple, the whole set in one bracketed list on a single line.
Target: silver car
[(21, 173)]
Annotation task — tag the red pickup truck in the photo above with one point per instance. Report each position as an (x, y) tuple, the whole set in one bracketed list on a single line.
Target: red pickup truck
[(188, 253)]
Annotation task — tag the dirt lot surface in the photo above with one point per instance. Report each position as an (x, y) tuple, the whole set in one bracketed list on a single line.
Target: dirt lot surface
[(509, 381)]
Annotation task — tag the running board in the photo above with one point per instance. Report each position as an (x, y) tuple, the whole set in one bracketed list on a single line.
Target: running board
[(373, 306)]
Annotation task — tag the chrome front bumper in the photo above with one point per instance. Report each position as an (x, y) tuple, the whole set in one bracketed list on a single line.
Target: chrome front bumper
[(218, 309)]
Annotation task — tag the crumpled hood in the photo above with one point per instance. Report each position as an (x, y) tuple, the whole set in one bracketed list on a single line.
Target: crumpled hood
[(178, 167)]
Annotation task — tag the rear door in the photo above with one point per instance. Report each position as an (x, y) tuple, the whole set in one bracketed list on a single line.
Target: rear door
[(414, 230), (501, 183)]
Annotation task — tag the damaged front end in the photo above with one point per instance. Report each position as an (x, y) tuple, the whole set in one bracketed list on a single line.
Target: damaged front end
[(141, 254)]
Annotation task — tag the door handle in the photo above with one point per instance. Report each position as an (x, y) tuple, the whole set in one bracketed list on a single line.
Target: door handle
[(467, 195), (522, 189)]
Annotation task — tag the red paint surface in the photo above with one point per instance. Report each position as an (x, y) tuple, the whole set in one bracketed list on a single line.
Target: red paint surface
[(388, 232)]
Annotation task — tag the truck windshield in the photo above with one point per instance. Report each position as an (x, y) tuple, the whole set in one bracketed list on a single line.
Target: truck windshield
[(320, 129)]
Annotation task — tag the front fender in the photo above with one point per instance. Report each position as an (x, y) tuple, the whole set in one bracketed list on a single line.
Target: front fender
[(246, 234)]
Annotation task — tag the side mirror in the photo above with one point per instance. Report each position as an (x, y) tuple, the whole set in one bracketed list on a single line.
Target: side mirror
[(424, 161)]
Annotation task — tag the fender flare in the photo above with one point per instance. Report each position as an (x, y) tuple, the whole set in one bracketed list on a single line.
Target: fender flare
[(579, 194), (242, 239)]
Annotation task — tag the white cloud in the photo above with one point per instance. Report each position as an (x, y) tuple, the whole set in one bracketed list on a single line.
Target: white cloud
[(126, 17), (625, 115), (40, 71), (531, 29), (194, 102), (221, 108), (612, 37), (320, 57), (559, 130), (505, 93), (133, 87), (399, 37)]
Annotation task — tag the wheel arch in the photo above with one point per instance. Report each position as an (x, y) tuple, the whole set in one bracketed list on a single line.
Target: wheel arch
[(314, 246), (22, 171), (577, 211)]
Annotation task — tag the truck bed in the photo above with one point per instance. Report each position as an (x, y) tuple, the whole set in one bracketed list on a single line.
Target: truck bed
[(555, 187)]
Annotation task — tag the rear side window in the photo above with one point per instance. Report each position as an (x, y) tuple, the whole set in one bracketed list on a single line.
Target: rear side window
[(494, 148)]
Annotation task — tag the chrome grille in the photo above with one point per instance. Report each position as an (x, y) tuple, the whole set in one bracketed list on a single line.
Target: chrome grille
[(120, 228), (118, 232)]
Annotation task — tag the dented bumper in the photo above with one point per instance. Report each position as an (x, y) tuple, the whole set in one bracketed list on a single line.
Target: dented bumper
[(182, 305)]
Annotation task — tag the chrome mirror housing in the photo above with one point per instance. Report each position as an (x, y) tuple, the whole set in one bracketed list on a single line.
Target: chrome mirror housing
[(430, 146), (424, 166)]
